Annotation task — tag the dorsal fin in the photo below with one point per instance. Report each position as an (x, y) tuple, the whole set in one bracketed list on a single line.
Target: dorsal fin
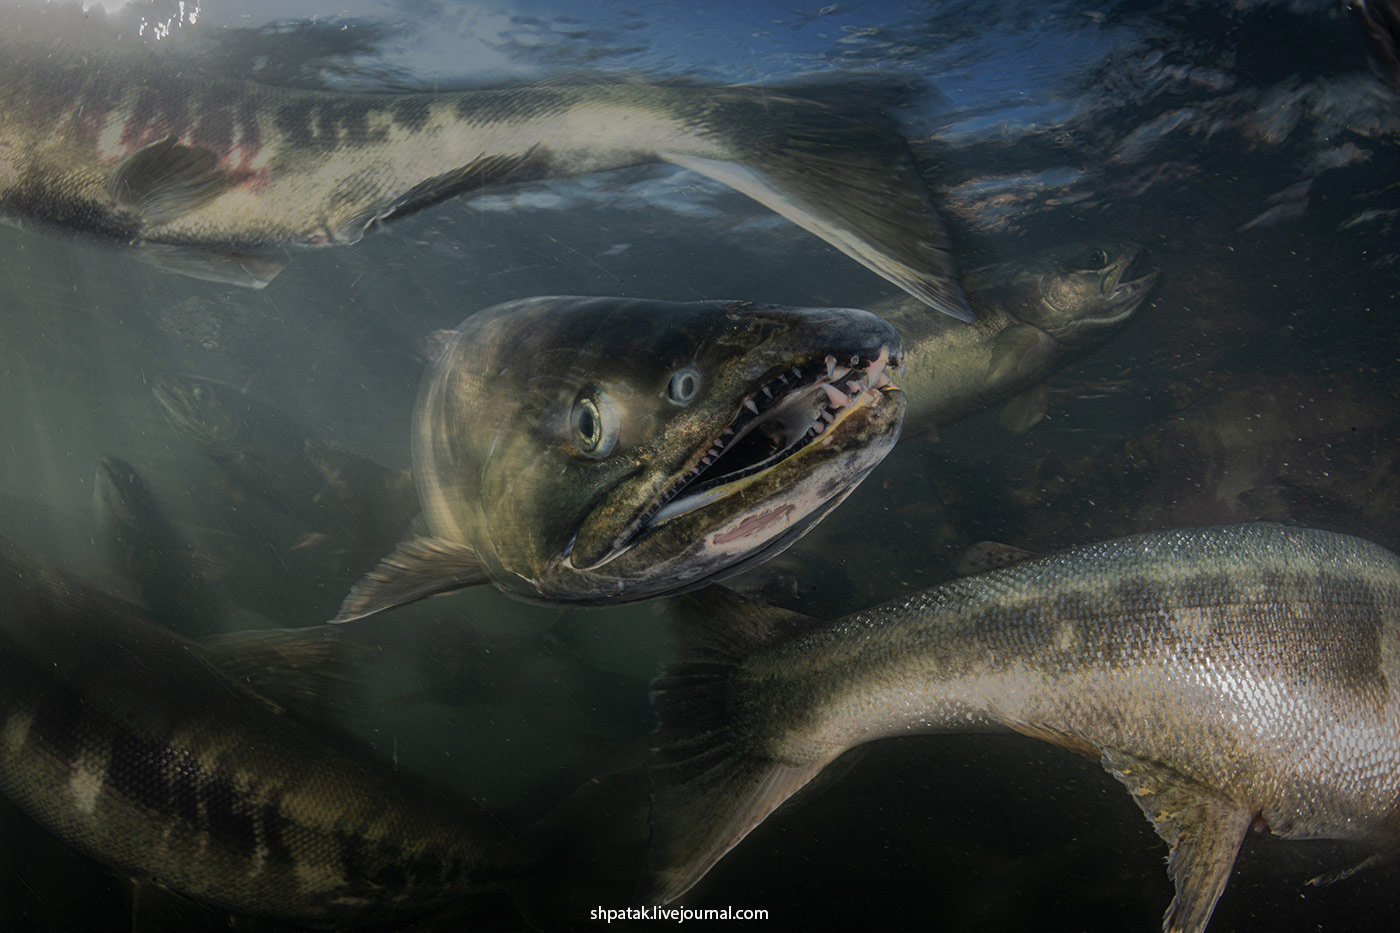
[(989, 555)]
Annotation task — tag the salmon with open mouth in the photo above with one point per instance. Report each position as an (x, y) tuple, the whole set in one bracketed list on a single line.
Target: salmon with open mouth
[(604, 450)]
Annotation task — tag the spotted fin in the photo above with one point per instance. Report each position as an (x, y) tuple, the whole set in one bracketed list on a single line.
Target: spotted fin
[(709, 787), (1016, 350), (1025, 410), (419, 567), (989, 555), (1204, 833), (166, 180)]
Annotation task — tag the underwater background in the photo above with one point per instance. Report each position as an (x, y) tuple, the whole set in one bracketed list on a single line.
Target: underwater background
[(1250, 147)]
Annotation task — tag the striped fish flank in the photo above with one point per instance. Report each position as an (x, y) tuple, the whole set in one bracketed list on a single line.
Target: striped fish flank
[(133, 745)]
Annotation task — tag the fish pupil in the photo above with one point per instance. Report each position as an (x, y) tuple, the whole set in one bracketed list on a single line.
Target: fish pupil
[(683, 386)]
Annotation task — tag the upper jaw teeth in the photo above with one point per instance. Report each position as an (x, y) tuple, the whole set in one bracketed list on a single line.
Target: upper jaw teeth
[(805, 413)]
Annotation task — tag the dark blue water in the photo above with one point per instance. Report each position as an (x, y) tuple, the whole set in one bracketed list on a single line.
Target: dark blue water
[(1249, 146)]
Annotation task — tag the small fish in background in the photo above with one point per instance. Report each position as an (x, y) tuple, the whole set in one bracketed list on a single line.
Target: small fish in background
[(261, 451), (290, 519), (1380, 21), (219, 178), (588, 451), (144, 548), (342, 502), (1230, 678), (1034, 315)]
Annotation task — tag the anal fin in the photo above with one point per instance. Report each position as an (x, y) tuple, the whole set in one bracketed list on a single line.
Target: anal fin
[(1204, 833), (418, 568), (249, 270), (303, 672)]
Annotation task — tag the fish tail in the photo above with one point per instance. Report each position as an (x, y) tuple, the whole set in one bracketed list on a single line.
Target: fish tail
[(830, 159), (710, 783)]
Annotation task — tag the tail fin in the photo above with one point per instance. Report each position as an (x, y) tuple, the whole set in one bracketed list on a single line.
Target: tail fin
[(836, 164), (710, 783)]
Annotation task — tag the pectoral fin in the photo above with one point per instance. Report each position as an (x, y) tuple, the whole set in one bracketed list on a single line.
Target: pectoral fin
[(1204, 833), (418, 568), (166, 180), (711, 783), (1019, 349), (1025, 410)]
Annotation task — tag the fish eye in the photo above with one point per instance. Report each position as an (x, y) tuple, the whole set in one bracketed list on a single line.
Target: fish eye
[(1095, 259), (593, 436), (683, 385)]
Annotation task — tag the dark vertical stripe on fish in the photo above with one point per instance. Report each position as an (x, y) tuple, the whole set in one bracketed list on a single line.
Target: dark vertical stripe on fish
[(274, 826), (230, 822)]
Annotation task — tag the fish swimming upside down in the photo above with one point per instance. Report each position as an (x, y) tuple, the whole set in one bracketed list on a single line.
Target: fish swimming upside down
[(217, 178), (1229, 677), (604, 450)]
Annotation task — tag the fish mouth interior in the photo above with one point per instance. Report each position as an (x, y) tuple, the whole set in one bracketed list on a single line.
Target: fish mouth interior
[(782, 418), (1124, 294)]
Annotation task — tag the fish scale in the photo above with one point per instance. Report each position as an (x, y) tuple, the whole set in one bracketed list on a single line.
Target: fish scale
[(1228, 677)]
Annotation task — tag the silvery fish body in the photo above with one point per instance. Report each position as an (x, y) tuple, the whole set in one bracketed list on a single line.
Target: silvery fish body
[(217, 177), (152, 754), (1229, 677)]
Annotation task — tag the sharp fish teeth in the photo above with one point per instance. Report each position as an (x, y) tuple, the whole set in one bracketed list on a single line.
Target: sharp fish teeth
[(840, 372), (837, 397), (767, 391), (751, 405), (877, 368), (830, 367), (857, 387)]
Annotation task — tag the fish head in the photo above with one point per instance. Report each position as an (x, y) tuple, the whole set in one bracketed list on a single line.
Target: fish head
[(205, 410), (1077, 293), (600, 450)]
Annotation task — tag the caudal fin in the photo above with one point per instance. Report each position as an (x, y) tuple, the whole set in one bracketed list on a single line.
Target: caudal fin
[(711, 782), (836, 164)]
